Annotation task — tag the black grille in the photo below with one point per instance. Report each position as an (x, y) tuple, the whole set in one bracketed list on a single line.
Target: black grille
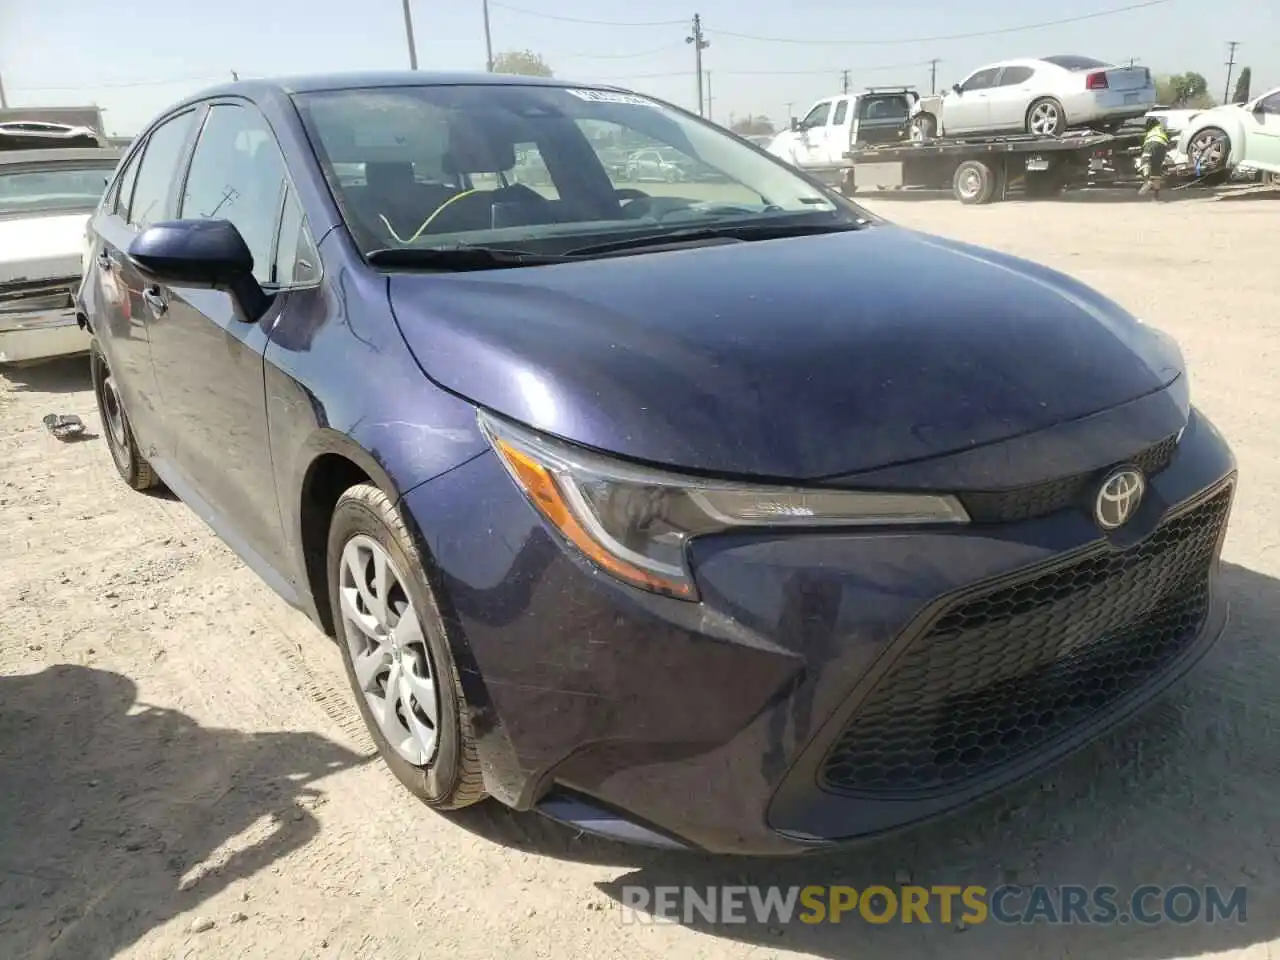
[(1020, 665), (1040, 499)]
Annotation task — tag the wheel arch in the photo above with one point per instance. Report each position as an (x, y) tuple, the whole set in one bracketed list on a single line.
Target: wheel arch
[(336, 464)]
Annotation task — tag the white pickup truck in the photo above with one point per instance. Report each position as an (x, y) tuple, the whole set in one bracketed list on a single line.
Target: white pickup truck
[(818, 143)]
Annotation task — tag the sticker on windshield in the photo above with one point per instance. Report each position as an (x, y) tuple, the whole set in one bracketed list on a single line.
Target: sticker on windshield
[(609, 96)]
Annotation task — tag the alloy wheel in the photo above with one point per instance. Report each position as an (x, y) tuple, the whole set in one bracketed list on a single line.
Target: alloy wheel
[(114, 412), (970, 184), (388, 650), (1045, 119)]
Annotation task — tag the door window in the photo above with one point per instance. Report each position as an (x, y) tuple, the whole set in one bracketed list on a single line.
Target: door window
[(122, 192), (817, 117), (982, 80), (886, 108), (237, 174), (160, 160), (1015, 76), (1270, 104), (842, 110)]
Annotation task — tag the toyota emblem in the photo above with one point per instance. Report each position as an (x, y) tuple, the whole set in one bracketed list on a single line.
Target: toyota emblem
[(1118, 498)]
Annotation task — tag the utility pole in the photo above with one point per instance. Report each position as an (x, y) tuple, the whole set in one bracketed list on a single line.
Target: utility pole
[(408, 35), (4, 101), (790, 114), (488, 40), (1231, 64), (933, 76), (844, 81), (700, 43), (709, 97), (235, 76)]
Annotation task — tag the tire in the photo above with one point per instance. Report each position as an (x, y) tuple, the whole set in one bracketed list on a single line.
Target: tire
[(1046, 118), (974, 182), (133, 467), (924, 127), (1214, 142), (449, 777)]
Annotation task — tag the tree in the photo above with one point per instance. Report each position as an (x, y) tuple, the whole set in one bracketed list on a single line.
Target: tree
[(524, 63), (1242, 86), (1188, 89), (752, 126)]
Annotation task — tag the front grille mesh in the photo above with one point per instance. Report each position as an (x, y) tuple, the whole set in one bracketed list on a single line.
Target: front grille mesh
[(1041, 499), (1020, 665)]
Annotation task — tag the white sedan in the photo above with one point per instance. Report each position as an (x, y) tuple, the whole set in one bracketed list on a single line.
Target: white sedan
[(1045, 97), (1236, 135), (46, 199)]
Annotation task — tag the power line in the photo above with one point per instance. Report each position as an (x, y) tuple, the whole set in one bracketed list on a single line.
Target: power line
[(595, 23), (667, 48), (123, 84), (955, 36), (763, 73)]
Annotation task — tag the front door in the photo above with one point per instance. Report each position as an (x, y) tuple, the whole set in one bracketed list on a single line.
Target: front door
[(968, 110), (1262, 139), (811, 145), (142, 196), (208, 359)]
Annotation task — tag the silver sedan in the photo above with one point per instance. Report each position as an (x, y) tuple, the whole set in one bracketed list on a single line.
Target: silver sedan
[(1045, 97)]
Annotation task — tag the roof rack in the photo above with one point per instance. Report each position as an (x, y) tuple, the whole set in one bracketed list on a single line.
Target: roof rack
[(891, 89)]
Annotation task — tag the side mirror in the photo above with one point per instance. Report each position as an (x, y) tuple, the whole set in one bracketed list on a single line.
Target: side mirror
[(209, 254), (795, 124), (957, 89)]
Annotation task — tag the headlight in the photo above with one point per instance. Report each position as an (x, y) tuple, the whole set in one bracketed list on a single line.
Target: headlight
[(634, 522)]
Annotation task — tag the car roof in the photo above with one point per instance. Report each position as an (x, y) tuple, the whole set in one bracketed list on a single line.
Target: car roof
[(317, 82)]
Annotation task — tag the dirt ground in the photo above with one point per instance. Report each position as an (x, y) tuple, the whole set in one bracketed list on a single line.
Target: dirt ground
[(182, 775)]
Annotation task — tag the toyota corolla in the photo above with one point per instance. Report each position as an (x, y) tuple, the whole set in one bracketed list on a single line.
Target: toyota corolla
[(722, 516)]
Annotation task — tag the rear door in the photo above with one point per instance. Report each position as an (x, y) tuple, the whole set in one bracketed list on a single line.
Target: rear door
[(144, 194), (969, 110), (208, 360), (1010, 97)]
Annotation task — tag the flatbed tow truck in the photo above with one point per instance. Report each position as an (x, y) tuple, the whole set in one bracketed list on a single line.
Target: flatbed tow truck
[(985, 169)]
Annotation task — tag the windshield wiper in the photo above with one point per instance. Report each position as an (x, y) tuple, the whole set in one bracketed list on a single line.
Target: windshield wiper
[(725, 231), (461, 258)]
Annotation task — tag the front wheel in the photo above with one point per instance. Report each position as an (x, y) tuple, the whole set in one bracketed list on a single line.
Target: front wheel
[(1046, 118), (397, 654), (133, 467), (1209, 149)]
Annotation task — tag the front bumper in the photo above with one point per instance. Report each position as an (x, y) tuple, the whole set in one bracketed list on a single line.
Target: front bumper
[(41, 335), (818, 694)]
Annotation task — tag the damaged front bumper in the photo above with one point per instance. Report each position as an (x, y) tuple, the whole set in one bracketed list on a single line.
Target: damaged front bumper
[(39, 328)]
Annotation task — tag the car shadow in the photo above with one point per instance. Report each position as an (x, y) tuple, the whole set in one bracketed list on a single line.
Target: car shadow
[(60, 375), (1181, 795), (116, 816)]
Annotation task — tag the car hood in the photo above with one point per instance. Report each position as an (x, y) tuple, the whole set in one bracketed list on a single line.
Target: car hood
[(40, 247), (797, 358)]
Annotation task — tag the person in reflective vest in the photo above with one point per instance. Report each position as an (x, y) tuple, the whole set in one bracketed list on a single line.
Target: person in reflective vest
[(1155, 147)]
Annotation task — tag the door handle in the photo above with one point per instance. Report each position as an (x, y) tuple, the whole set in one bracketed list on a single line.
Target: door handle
[(151, 296)]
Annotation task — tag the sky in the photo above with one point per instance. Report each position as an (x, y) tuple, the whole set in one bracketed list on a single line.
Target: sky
[(765, 58)]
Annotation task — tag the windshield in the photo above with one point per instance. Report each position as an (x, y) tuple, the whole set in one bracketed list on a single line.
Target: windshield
[(53, 188), (540, 168)]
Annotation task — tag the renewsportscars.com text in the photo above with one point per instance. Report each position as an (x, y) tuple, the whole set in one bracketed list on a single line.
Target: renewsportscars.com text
[(969, 905)]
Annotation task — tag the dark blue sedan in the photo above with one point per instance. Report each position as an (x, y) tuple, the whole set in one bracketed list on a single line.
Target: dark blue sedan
[(719, 515)]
